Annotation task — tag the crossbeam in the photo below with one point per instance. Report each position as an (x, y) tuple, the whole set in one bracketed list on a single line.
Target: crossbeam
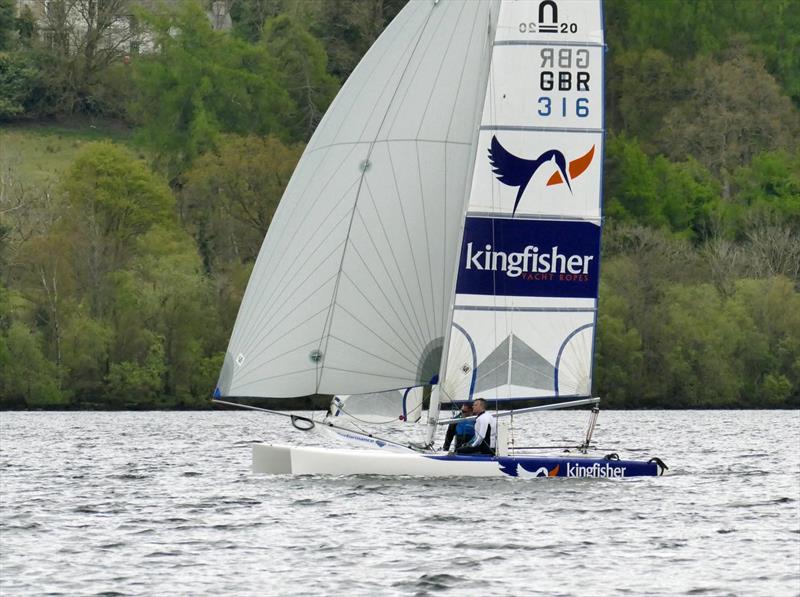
[(520, 411)]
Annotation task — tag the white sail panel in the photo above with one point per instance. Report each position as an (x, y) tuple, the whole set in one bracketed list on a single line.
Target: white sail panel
[(558, 89), (526, 295), (573, 21), (350, 291), (515, 353), (518, 172)]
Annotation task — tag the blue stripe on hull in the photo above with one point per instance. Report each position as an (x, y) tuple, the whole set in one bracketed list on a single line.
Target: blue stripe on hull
[(534, 466)]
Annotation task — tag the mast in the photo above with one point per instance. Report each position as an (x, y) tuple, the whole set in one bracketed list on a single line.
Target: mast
[(436, 392), (525, 299)]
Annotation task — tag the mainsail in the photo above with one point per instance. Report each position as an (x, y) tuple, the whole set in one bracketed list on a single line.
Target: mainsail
[(351, 291), (526, 297)]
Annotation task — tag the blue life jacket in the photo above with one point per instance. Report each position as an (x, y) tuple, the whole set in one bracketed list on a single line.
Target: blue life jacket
[(465, 430)]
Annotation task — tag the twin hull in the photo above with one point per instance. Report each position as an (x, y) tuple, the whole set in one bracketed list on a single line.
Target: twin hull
[(280, 459)]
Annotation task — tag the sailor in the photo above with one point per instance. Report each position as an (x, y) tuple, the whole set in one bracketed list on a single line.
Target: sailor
[(462, 431), (485, 438)]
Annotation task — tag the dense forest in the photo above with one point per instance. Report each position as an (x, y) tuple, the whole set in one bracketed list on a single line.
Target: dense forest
[(121, 274)]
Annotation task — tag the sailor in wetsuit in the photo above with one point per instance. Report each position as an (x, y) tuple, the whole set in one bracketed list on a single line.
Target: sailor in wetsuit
[(485, 438), (462, 431)]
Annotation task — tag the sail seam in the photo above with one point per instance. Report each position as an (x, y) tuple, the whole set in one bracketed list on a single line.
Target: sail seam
[(254, 356), (390, 140), (279, 287), (526, 309), (521, 42), (550, 129), (331, 311), (410, 245), (419, 338), (274, 259), (367, 352), (389, 325)]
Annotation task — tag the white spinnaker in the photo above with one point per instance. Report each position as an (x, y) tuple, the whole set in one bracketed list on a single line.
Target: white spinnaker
[(350, 292), (544, 100)]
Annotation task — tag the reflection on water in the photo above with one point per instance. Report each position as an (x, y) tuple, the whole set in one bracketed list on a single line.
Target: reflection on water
[(164, 503)]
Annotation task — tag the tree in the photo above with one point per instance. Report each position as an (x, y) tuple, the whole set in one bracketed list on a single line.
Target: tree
[(82, 39), (113, 199), (7, 25), (302, 64), (347, 29), (619, 367), (682, 197), (770, 186), (249, 16), (642, 86), (27, 377), (735, 110), (230, 195), (685, 30), (18, 78), (202, 83)]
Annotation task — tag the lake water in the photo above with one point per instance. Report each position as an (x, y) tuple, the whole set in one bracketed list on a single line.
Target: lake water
[(163, 503)]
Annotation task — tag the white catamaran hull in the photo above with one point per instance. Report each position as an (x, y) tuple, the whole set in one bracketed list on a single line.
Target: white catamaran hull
[(281, 459)]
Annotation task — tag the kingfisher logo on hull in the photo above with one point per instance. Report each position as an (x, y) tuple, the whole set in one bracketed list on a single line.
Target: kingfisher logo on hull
[(509, 257), (595, 470), (515, 171)]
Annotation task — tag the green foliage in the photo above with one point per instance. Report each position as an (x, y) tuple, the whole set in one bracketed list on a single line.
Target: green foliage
[(202, 83), (682, 197), (176, 301), (18, 77), (118, 191), (770, 185), (230, 195), (113, 198), (85, 345), (26, 27), (110, 300), (131, 383), (734, 111), (249, 16), (699, 348), (643, 85), (684, 30), (7, 25), (27, 377), (302, 64), (347, 29)]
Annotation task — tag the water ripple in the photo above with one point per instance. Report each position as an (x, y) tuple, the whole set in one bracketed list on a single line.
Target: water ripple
[(142, 504)]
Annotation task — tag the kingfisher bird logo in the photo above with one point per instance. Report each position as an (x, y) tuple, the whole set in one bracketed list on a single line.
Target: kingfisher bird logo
[(515, 171), (526, 470)]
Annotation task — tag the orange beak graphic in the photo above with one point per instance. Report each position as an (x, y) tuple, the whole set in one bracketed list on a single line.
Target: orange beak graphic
[(576, 168)]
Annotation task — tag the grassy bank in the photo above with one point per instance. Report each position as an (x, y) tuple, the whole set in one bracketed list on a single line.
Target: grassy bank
[(39, 151)]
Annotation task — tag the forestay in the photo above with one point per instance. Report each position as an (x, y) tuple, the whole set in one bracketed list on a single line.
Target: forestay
[(351, 290), (526, 297)]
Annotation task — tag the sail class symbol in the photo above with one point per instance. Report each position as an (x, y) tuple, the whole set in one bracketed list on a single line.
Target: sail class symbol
[(517, 172)]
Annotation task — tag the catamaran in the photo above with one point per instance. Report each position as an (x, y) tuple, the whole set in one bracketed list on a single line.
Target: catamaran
[(440, 236)]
